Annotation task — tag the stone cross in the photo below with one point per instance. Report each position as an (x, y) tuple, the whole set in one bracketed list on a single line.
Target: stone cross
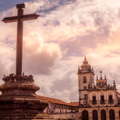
[(19, 19)]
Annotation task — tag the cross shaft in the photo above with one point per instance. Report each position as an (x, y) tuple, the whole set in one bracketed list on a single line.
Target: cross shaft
[(19, 46)]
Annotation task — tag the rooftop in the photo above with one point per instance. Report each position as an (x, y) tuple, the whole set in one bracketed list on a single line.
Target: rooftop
[(57, 101)]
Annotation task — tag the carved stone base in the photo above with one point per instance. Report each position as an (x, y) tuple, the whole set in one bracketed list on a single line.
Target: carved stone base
[(19, 101)]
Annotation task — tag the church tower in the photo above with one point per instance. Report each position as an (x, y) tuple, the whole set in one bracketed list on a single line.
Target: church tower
[(85, 79)]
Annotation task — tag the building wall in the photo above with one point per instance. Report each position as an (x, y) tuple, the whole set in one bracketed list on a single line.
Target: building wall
[(102, 96), (105, 93), (107, 109), (68, 116), (61, 112), (81, 84), (80, 79)]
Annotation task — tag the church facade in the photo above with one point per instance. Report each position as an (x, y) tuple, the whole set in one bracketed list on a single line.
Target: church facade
[(98, 101)]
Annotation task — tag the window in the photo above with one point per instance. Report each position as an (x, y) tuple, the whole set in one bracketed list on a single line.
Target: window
[(119, 114), (85, 115), (103, 115), (95, 115), (85, 96), (110, 97), (94, 100), (84, 79), (102, 99), (85, 87), (112, 114)]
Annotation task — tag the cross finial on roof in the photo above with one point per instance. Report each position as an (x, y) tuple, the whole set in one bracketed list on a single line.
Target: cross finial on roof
[(85, 61), (100, 74), (19, 6), (97, 77), (105, 77)]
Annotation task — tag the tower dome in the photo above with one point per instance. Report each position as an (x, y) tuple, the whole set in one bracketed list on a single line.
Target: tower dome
[(86, 67)]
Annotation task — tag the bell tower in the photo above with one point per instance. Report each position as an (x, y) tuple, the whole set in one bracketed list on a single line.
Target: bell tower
[(85, 79)]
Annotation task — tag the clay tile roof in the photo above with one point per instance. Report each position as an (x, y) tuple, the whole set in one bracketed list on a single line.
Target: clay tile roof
[(57, 101), (118, 94), (74, 103), (53, 100)]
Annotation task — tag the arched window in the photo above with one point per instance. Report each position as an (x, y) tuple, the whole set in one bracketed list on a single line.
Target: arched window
[(85, 115), (84, 79), (112, 114), (119, 114), (95, 115), (110, 99), (103, 115), (94, 100)]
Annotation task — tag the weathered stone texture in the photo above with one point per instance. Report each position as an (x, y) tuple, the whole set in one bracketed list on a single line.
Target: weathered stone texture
[(18, 99)]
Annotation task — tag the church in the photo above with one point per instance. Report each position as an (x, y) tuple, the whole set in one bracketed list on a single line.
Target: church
[(97, 99)]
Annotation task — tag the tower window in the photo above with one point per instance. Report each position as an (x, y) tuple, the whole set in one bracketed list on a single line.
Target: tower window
[(84, 79), (85, 96)]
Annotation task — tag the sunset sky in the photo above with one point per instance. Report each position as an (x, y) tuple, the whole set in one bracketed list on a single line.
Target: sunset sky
[(56, 43)]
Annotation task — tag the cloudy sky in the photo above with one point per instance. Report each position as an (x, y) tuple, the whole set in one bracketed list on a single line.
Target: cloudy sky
[(56, 43)]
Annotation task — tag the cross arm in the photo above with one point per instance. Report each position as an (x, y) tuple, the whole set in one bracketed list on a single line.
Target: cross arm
[(10, 19), (23, 17), (30, 17)]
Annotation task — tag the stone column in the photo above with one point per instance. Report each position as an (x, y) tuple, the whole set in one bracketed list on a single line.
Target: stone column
[(99, 115), (90, 116), (80, 115), (117, 115), (107, 114)]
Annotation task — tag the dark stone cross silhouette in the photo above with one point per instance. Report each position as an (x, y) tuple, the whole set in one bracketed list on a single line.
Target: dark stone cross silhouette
[(19, 19)]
